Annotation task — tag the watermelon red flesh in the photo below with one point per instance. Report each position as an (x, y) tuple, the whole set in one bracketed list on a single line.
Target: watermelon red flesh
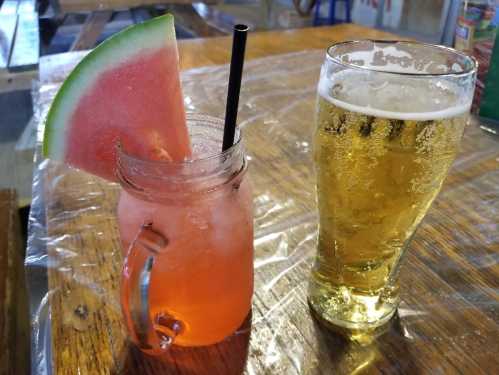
[(136, 104), (125, 91)]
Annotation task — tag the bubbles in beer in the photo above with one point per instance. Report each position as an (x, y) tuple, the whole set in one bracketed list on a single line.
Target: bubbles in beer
[(382, 150)]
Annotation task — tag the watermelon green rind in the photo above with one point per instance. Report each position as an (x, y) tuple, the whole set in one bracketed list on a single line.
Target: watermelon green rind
[(137, 39)]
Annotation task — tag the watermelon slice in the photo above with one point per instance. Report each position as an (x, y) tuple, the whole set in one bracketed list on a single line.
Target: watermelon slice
[(127, 91)]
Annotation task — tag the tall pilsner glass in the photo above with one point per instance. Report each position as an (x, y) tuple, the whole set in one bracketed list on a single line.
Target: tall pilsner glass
[(390, 116)]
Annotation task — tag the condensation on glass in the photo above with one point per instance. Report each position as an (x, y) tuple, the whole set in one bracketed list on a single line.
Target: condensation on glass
[(389, 121)]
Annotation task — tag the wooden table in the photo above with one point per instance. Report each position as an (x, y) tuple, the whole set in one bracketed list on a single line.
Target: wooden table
[(448, 322), (13, 302)]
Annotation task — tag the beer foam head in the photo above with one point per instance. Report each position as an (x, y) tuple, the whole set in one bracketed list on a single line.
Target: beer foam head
[(394, 96)]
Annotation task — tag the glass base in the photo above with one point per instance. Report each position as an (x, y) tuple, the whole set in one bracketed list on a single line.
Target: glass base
[(344, 308)]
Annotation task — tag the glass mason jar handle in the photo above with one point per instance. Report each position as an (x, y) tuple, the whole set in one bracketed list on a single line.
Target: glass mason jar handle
[(156, 333)]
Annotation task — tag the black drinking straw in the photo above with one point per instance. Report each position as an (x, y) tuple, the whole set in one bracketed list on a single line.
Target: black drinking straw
[(236, 73)]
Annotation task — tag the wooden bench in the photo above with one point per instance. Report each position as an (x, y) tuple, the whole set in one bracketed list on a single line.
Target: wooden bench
[(99, 12), (19, 44), (14, 322), (72, 6)]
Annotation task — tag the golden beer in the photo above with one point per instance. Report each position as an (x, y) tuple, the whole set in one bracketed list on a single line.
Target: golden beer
[(380, 157)]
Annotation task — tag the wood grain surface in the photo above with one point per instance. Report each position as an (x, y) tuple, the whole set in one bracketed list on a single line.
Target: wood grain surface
[(448, 321), (14, 321)]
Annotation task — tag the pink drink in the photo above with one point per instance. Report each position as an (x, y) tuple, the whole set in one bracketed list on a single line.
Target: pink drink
[(201, 239)]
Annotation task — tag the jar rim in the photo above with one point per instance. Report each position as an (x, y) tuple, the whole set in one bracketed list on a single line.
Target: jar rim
[(173, 180), (121, 153)]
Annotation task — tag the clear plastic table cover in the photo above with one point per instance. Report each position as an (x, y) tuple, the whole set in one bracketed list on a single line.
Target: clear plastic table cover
[(447, 321)]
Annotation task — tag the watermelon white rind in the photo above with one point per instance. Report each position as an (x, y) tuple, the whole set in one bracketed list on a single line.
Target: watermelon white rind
[(133, 41)]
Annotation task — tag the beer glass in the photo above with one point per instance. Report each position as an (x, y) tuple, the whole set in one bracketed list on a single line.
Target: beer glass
[(390, 116)]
